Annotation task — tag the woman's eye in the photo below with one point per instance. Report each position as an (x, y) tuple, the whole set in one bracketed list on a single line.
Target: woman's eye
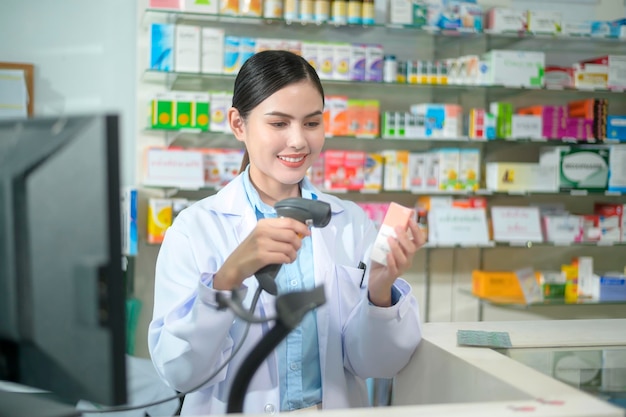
[(313, 124), (278, 124)]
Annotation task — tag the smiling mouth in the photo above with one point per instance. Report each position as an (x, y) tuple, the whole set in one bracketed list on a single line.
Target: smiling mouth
[(292, 159)]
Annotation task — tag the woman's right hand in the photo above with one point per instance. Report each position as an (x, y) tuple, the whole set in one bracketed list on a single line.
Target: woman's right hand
[(273, 241)]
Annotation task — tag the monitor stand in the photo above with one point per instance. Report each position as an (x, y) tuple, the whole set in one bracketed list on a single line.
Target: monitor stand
[(33, 404)]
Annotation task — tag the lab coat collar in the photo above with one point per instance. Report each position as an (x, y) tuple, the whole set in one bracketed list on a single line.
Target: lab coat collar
[(233, 201)]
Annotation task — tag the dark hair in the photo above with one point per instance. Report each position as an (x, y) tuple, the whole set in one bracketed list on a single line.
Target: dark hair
[(265, 73)]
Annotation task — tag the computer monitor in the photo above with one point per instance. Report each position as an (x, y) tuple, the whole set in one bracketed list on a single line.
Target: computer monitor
[(62, 295)]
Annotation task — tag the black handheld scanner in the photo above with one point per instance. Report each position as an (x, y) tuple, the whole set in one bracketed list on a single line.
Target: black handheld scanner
[(310, 212)]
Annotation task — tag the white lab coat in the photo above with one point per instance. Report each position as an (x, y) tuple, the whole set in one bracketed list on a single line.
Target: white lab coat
[(189, 338)]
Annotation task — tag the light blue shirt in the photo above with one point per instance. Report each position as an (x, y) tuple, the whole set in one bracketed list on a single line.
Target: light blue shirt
[(300, 377)]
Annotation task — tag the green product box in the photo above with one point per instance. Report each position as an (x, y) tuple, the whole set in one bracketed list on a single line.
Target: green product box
[(184, 111), (201, 111), (503, 113), (584, 168), (553, 291), (389, 124), (162, 111)]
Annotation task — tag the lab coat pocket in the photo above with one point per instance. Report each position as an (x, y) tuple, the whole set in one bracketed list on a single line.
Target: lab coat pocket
[(348, 287)]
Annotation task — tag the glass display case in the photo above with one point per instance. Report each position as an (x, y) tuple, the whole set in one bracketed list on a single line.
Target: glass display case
[(598, 371)]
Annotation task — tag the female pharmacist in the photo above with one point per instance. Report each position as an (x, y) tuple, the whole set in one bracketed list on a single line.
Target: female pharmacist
[(369, 325)]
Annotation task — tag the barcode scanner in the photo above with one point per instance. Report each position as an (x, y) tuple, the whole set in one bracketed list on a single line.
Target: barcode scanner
[(313, 213)]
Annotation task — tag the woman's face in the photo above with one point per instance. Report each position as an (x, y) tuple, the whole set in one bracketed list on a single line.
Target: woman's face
[(284, 135)]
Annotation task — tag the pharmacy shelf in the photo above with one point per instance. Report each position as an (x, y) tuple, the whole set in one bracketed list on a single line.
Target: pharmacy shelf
[(180, 15), (195, 80), (194, 137), (519, 302), (524, 244), (485, 193)]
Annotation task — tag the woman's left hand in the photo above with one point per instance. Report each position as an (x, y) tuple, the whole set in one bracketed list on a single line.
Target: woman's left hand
[(399, 260)]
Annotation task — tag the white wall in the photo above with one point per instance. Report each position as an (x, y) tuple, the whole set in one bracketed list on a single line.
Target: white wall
[(84, 57)]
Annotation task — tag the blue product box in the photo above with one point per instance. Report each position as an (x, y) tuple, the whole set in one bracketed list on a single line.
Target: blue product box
[(616, 128), (162, 46), (612, 288), (609, 28)]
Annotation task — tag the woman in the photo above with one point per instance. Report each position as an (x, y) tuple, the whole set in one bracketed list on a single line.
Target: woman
[(369, 325)]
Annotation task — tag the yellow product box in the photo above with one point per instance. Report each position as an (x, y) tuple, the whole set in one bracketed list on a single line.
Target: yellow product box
[(490, 284), (520, 176), (159, 219), (396, 170)]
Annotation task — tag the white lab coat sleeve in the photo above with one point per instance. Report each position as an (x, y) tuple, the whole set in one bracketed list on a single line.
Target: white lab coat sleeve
[(379, 341), (188, 337)]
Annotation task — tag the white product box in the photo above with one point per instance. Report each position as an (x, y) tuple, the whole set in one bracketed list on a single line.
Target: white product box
[(617, 168), (448, 168), (431, 160), (576, 27), (522, 177), (341, 61), (516, 68), (357, 62), (374, 56), (563, 228), (187, 48), (212, 50), (500, 19), (325, 56), (267, 44), (310, 52), (469, 169), (542, 21), (526, 127), (417, 170), (208, 6), (219, 105), (396, 172), (585, 277)]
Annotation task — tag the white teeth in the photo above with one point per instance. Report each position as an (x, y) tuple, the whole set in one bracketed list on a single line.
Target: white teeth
[(284, 158)]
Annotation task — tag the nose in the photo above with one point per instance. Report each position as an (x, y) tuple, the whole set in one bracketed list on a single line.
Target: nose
[(297, 138)]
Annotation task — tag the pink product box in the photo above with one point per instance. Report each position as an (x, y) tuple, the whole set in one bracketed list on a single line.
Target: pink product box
[(375, 211), (554, 120), (578, 128)]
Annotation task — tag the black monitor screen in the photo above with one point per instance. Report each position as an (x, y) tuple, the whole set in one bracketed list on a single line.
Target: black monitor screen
[(62, 301)]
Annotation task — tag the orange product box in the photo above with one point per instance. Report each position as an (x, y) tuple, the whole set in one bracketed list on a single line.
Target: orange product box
[(492, 284), (397, 215), (369, 119), (337, 115), (353, 114)]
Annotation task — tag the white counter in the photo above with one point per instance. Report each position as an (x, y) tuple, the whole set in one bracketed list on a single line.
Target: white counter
[(444, 379)]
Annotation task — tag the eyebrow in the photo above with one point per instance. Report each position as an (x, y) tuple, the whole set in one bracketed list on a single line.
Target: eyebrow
[(281, 114)]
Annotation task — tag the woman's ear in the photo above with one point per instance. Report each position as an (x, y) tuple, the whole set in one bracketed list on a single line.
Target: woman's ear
[(236, 123)]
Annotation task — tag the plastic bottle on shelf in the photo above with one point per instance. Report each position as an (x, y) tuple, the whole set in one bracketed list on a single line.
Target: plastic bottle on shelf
[(354, 12), (290, 10), (273, 9), (390, 69), (306, 10), (367, 12), (339, 12), (322, 11)]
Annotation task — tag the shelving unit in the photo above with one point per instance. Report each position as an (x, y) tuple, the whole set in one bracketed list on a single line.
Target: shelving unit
[(422, 44)]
